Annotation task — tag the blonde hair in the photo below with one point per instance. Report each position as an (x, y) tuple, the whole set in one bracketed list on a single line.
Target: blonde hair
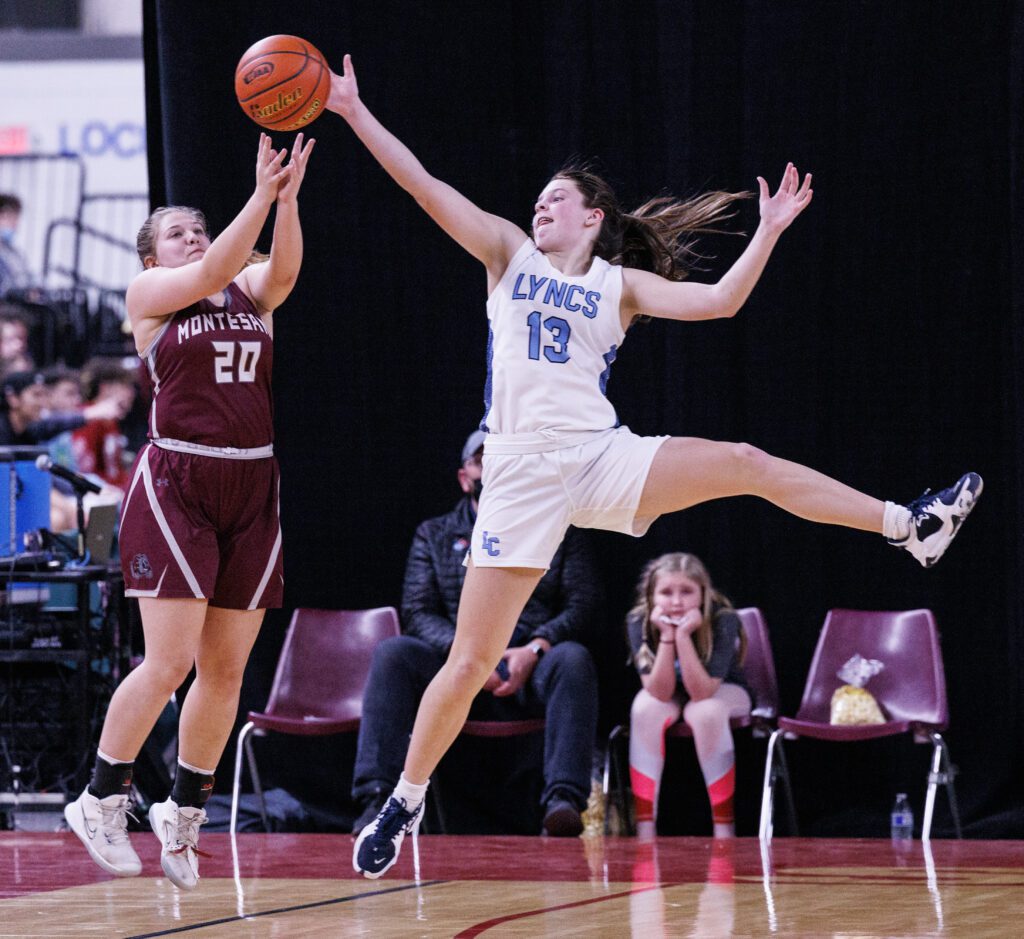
[(145, 240), (713, 603)]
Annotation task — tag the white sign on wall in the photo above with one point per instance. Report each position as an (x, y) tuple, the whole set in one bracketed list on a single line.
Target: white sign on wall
[(93, 112), (92, 108)]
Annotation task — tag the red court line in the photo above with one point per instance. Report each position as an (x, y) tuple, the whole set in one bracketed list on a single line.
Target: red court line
[(481, 927)]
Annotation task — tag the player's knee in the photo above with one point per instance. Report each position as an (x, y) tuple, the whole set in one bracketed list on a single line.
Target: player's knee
[(750, 460), (468, 674), (166, 675), (748, 453), (223, 674)]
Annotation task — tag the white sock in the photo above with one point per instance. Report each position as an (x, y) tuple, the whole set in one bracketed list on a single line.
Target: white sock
[(412, 793), (896, 521), (196, 769), (109, 759)]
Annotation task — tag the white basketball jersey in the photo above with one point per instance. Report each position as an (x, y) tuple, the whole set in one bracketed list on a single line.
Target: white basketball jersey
[(552, 342)]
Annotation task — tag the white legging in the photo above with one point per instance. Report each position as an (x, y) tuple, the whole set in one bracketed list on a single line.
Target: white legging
[(709, 720)]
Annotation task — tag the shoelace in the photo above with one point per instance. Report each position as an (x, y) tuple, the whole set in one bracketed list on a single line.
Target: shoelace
[(187, 834), (919, 506), (115, 821), (395, 818)]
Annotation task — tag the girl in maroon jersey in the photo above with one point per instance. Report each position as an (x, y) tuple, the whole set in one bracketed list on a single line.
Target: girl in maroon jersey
[(200, 536)]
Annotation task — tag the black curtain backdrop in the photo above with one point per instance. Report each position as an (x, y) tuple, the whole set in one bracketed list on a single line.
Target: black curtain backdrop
[(883, 345)]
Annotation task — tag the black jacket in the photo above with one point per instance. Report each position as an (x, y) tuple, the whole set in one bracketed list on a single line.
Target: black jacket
[(565, 604)]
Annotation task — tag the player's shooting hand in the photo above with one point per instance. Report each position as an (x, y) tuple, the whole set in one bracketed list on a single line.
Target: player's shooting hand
[(288, 190), (269, 169)]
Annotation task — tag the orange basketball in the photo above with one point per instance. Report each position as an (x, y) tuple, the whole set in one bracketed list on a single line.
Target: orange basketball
[(282, 82)]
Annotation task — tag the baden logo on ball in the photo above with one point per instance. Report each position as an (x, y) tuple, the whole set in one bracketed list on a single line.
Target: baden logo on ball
[(282, 82)]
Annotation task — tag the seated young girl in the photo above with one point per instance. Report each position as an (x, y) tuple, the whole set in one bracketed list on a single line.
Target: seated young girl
[(687, 644)]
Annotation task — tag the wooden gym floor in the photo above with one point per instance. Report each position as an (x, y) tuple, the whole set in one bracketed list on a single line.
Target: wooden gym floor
[(303, 885)]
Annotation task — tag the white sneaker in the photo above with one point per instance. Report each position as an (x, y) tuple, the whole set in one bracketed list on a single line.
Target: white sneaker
[(936, 518), (102, 824), (379, 843), (178, 831)]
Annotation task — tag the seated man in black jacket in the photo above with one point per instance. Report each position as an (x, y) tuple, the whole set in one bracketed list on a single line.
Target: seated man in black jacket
[(545, 670)]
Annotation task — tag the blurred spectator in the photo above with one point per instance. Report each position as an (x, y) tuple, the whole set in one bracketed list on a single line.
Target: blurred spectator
[(14, 270), (64, 389), (63, 396), (14, 340), (99, 446), (21, 412)]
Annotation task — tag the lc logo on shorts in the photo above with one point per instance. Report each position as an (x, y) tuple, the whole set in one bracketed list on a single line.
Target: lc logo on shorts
[(489, 543), (141, 567)]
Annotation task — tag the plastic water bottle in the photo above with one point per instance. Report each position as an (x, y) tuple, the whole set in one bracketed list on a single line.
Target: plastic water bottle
[(902, 819)]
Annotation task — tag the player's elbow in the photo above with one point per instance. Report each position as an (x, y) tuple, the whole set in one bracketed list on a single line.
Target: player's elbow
[(723, 303)]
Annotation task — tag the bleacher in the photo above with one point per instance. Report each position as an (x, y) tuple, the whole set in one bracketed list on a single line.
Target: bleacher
[(82, 248)]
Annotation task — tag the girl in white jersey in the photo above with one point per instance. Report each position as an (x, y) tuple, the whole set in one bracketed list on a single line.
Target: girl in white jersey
[(559, 305)]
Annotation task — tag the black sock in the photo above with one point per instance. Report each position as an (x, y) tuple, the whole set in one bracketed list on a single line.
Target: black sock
[(191, 788), (109, 779)]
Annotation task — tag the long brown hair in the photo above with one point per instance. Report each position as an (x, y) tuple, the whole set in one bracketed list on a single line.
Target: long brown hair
[(713, 602), (145, 240), (659, 236)]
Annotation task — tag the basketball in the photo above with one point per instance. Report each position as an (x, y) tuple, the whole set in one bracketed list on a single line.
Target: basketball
[(282, 82)]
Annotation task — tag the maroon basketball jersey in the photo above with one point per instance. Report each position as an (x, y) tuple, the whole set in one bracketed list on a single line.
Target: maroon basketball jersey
[(211, 369)]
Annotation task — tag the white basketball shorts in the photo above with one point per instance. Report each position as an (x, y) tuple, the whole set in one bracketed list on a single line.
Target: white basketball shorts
[(536, 486)]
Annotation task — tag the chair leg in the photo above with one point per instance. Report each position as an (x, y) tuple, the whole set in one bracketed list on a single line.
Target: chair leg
[(782, 773), (941, 772), (616, 794), (606, 784), (236, 788), (256, 784), (764, 831)]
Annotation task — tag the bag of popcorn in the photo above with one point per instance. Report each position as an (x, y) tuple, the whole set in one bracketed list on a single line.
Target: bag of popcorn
[(852, 703)]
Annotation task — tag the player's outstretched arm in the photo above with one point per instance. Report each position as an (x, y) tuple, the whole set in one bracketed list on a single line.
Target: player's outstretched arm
[(160, 291), (269, 284), (648, 294), (490, 239)]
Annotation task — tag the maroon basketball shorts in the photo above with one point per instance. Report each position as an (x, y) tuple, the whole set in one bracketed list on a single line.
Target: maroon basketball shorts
[(203, 526)]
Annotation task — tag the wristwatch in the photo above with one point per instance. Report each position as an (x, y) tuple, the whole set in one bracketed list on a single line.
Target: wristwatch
[(537, 649)]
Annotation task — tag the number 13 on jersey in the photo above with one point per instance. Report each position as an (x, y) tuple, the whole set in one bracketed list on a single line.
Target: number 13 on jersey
[(560, 331)]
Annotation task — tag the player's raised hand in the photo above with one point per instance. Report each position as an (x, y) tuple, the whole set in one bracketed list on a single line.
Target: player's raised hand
[(288, 189), (791, 199), (344, 91), (269, 170)]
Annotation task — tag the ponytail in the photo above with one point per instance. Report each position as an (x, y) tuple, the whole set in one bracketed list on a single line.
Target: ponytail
[(660, 235)]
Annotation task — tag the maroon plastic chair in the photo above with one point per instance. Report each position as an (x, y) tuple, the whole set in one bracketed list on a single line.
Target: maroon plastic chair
[(910, 690), (319, 682), (759, 666)]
